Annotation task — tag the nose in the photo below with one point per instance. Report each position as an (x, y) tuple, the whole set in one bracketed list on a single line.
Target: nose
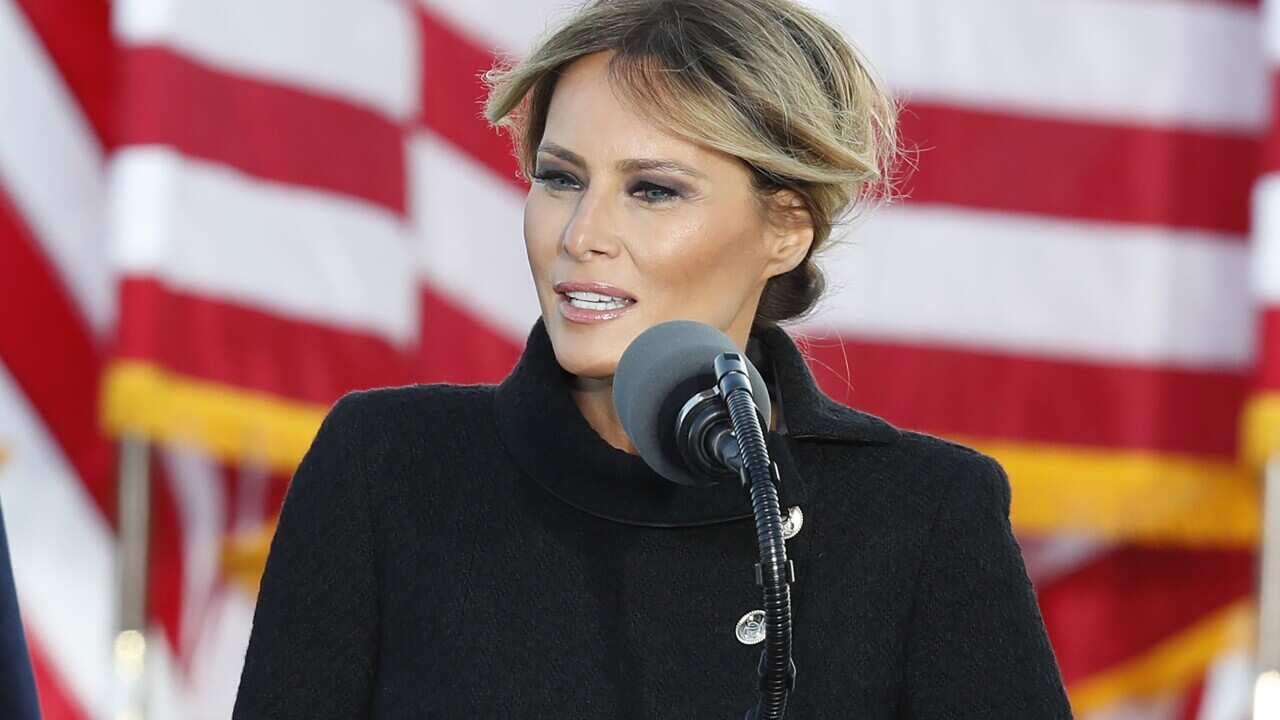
[(591, 229)]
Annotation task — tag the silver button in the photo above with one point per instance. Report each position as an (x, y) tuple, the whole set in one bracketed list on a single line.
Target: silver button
[(750, 629), (792, 523)]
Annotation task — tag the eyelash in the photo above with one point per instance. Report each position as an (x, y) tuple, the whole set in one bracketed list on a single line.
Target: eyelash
[(547, 177)]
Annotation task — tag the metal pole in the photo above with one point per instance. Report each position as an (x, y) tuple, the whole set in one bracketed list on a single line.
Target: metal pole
[(134, 505), (1266, 700)]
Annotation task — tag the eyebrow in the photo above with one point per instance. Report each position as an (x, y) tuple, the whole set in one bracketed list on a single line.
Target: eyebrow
[(631, 165)]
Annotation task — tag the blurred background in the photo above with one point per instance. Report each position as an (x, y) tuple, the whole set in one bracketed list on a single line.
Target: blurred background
[(217, 217)]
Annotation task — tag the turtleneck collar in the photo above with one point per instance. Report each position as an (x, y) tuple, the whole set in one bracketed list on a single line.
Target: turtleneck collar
[(549, 438)]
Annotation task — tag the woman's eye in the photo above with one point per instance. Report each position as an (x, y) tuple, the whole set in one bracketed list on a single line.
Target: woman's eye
[(556, 180), (649, 192)]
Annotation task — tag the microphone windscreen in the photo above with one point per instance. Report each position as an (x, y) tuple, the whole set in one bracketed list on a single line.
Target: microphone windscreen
[(657, 374)]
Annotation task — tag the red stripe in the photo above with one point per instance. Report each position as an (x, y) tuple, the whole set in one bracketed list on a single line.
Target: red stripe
[(1111, 172), (166, 566), (56, 701), (460, 347), (453, 96), (1267, 375), (1005, 396), (46, 345), (1271, 152), (51, 353), (242, 346), (247, 348), (268, 130), (167, 597), (1192, 699), (76, 34), (253, 496), (1253, 4), (276, 491), (1128, 600)]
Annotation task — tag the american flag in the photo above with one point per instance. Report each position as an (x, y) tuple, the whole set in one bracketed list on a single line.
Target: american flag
[(217, 217)]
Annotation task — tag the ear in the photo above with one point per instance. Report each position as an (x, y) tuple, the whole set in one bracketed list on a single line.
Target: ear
[(788, 232)]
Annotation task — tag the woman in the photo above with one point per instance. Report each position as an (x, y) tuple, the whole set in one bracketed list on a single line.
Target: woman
[(500, 551)]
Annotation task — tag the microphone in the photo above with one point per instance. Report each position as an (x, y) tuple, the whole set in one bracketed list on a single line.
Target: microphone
[(697, 409), (666, 396)]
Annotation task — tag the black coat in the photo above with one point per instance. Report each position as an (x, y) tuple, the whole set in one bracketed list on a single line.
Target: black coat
[(479, 551), (17, 682)]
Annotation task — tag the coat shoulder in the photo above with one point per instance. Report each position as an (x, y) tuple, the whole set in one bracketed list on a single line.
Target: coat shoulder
[(940, 451), (954, 471), (919, 475), (388, 430), (401, 396), (407, 407)]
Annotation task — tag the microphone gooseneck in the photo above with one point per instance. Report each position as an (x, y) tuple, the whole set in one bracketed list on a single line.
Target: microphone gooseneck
[(695, 408), (777, 671)]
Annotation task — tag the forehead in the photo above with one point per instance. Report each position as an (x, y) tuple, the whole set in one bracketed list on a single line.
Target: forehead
[(589, 116)]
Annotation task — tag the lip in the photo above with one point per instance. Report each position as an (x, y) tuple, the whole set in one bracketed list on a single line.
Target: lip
[(584, 316), (595, 287)]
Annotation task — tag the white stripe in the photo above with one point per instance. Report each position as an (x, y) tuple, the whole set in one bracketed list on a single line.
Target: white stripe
[(1070, 289), (510, 27), (1000, 282), (51, 168), (167, 695), (208, 690), (1168, 62), (1228, 687), (1187, 63), (253, 488), (1049, 557), (198, 491), (1161, 704), (1271, 30), (292, 251), (219, 658), (363, 50), (62, 552), (1265, 230), (470, 236)]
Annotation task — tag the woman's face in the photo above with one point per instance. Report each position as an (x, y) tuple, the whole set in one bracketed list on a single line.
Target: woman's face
[(672, 228)]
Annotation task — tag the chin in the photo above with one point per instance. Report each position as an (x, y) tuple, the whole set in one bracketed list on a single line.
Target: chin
[(585, 350), (587, 362)]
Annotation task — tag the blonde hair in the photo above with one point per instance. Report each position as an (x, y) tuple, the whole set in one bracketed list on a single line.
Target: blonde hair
[(766, 81)]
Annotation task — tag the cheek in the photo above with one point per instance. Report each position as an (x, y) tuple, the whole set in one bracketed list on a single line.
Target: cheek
[(691, 256), (541, 230)]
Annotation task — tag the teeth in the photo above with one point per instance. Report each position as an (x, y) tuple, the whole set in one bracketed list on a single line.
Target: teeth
[(591, 305), (593, 297)]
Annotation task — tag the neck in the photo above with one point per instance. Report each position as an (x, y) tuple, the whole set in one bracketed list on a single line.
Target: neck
[(594, 397)]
